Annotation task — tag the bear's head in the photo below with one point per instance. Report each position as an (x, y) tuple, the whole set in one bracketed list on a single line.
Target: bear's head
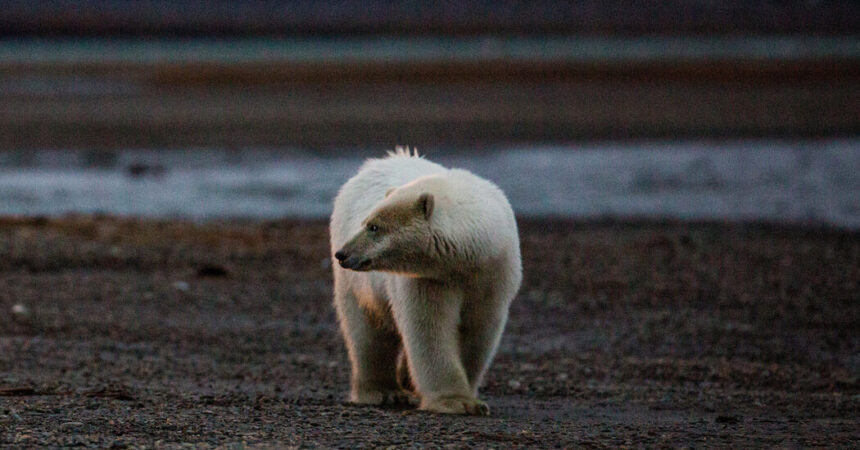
[(394, 236)]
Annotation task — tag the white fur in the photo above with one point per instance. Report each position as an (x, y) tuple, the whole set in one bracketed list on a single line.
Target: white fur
[(446, 309)]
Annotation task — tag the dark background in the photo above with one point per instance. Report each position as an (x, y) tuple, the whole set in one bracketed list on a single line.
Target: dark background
[(121, 98), (630, 18)]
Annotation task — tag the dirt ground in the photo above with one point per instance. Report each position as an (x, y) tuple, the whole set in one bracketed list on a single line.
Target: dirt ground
[(126, 333)]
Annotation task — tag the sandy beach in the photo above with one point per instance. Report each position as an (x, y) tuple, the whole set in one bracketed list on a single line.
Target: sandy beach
[(125, 333)]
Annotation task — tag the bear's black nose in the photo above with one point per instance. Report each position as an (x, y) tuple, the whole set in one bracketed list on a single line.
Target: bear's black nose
[(340, 255)]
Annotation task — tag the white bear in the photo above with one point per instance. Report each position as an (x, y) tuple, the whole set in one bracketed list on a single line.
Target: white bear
[(427, 264)]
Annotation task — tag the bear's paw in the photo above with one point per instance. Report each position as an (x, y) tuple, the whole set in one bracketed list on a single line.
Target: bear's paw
[(394, 397), (457, 405)]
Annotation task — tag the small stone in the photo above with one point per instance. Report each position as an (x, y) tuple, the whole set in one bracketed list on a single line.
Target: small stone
[(120, 443), (212, 271), (20, 313), (142, 169), (69, 425), (14, 414), (561, 377), (727, 419), (514, 384), (181, 286)]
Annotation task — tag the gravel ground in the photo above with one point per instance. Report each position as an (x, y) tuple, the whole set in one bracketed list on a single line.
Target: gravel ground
[(126, 333)]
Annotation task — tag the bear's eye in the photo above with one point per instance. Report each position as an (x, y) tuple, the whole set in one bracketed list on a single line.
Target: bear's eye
[(373, 228)]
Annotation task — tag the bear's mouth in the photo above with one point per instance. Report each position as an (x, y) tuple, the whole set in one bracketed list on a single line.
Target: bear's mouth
[(359, 265)]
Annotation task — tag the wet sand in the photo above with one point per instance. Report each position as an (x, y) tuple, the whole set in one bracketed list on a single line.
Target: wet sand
[(135, 333)]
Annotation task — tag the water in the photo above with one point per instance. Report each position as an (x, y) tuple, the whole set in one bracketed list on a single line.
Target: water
[(579, 49), (786, 182)]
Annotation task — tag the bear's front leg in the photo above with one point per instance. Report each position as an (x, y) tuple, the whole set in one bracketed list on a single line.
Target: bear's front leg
[(427, 314), (373, 356)]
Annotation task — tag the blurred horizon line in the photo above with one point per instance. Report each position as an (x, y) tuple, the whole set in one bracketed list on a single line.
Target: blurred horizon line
[(422, 49), (246, 92)]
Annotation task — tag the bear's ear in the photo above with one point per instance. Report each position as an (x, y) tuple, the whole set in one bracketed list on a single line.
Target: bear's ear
[(425, 204), (389, 191)]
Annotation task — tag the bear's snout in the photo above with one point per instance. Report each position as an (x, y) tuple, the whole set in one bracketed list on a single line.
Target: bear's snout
[(351, 262), (343, 259)]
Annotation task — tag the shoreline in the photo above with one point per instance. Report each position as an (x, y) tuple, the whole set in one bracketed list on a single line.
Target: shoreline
[(779, 181)]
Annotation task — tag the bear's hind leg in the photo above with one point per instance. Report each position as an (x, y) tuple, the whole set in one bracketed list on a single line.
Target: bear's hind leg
[(373, 354)]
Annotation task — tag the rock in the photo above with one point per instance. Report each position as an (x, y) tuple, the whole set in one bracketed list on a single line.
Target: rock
[(20, 313), (181, 286), (213, 271), (729, 420), (19, 309), (140, 170), (71, 425), (13, 413)]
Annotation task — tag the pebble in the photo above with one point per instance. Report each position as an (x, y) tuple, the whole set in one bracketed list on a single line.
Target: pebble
[(514, 384), (212, 271), (14, 414), (68, 425), (20, 310), (181, 286), (528, 367), (20, 313), (727, 419)]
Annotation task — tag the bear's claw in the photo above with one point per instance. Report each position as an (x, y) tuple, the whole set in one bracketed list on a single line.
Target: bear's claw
[(457, 405)]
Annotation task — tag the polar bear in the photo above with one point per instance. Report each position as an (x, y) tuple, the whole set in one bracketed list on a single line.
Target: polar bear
[(426, 264)]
